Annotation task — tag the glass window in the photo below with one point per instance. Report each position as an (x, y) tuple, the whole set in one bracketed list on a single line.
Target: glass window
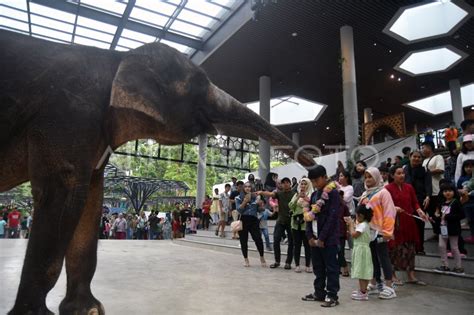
[(105, 27), (51, 33), (117, 7), (94, 34), (90, 42), (148, 17)]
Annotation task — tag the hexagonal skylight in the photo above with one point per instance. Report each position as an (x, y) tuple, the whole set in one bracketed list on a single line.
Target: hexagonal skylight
[(441, 103), (427, 20), (430, 60), (290, 110)]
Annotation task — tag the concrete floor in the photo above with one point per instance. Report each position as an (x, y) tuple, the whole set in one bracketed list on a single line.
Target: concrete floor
[(152, 277)]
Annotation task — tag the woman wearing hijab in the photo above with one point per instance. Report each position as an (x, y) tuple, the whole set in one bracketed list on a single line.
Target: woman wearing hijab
[(358, 179), (377, 198), (298, 203)]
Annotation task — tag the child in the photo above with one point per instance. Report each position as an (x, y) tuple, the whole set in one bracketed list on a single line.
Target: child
[(344, 213), (194, 223), (450, 216), (362, 267), (262, 215)]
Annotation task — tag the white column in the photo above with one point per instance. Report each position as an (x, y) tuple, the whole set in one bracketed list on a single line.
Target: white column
[(349, 89), (367, 115), (264, 146), (456, 101), (201, 170), (295, 136)]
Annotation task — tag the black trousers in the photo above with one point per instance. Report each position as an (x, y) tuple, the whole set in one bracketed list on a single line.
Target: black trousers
[(326, 270), (341, 255), (250, 225), (205, 221), (277, 236), (299, 237), (431, 211), (380, 258)]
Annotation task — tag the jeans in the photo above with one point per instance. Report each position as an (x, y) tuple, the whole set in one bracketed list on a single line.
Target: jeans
[(140, 234), (277, 236), (380, 258), (250, 224), (326, 270), (267, 237), (299, 237)]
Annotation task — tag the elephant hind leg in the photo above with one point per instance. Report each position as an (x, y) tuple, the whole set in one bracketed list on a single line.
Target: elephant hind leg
[(81, 256)]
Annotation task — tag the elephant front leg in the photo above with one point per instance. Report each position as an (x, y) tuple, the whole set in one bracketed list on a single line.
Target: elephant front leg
[(81, 256), (57, 210)]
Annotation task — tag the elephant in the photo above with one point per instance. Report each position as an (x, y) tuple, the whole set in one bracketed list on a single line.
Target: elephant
[(62, 107)]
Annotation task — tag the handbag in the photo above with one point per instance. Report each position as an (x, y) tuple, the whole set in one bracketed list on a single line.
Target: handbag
[(236, 226)]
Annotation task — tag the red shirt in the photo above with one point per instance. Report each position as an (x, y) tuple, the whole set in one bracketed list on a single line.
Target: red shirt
[(406, 229), (14, 219), (206, 206)]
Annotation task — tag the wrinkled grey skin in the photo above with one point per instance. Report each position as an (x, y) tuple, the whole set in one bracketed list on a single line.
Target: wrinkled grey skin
[(61, 107)]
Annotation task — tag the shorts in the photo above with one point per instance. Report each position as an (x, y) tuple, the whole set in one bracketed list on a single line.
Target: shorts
[(223, 215)]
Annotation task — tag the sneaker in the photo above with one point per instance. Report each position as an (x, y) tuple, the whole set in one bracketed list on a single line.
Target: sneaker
[(287, 266), (450, 255), (329, 302), (217, 232), (387, 293), (463, 256), (269, 249), (309, 270), (458, 271), (275, 265), (298, 269), (441, 269), (312, 297), (373, 289), (359, 296)]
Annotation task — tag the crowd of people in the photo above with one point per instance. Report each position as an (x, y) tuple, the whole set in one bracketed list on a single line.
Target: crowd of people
[(380, 212)]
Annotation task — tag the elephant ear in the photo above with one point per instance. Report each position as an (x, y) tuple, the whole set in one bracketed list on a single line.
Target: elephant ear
[(136, 87)]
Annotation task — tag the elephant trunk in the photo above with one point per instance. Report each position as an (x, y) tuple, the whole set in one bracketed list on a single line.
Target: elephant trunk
[(232, 118)]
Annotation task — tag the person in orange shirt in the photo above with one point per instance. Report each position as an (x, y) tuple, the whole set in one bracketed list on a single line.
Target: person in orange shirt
[(450, 137)]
